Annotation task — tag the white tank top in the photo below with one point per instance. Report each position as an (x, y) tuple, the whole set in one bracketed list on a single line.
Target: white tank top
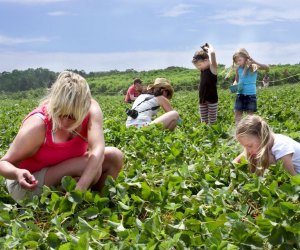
[(146, 116)]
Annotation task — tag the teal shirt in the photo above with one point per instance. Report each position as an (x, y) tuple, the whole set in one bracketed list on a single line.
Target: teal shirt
[(247, 83)]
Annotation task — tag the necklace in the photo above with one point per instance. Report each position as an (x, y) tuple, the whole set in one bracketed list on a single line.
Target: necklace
[(74, 132)]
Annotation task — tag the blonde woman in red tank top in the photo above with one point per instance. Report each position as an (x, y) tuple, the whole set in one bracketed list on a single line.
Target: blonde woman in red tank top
[(62, 137)]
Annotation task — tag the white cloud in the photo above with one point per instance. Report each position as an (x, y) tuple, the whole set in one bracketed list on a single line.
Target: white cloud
[(268, 53), (32, 2), (58, 13), (286, 4), (256, 16), (5, 40), (178, 10)]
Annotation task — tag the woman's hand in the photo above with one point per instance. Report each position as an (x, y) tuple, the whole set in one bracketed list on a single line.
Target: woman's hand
[(26, 179)]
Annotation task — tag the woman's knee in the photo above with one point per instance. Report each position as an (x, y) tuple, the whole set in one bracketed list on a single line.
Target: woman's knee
[(174, 114), (114, 157)]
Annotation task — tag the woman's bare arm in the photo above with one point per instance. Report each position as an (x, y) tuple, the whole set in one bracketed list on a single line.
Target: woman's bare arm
[(96, 148)]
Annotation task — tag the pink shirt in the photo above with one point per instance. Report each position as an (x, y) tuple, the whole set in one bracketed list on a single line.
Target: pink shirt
[(51, 153), (131, 91)]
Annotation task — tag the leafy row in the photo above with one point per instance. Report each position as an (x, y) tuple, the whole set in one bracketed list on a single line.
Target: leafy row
[(178, 190)]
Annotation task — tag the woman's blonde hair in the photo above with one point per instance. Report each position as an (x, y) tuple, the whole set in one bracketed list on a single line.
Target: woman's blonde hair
[(254, 125), (69, 96)]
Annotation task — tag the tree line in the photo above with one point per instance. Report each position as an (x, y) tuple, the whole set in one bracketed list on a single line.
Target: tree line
[(114, 81)]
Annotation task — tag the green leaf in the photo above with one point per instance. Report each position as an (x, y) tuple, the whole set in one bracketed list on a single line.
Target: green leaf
[(101, 201), (123, 206), (179, 226), (53, 240), (90, 213), (4, 216), (139, 224), (208, 177), (264, 224), (32, 236), (65, 205), (75, 196), (68, 183), (289, 205), (84, 226), (66, 246), (276, 236), (83, 242), (295, 180), (30, 244), (274, 212), (173, 206), (118, 226)]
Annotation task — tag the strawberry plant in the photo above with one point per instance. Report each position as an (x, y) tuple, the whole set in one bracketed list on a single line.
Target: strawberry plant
[(177, 190)]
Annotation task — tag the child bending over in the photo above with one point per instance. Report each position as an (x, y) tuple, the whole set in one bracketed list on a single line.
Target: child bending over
[(262, 147)]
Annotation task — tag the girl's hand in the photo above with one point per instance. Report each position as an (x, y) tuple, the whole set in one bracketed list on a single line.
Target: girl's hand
[(26, 179), (251, 60), (210, 48)]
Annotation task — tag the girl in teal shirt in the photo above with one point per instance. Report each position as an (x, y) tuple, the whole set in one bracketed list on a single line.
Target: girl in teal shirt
[(246, 75)]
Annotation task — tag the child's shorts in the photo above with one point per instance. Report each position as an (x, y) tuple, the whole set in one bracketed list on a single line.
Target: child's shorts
[(18, 193), (245, 103)]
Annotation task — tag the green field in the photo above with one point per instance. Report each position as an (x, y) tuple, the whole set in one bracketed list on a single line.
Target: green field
[(178, 190)]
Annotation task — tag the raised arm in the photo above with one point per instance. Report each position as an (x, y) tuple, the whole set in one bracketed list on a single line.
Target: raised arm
[(213, 60), (28, 140), (213, 57), (260, 66), (96, 148)]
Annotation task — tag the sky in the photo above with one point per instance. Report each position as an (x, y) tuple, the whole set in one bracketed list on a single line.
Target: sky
[(103, 35)]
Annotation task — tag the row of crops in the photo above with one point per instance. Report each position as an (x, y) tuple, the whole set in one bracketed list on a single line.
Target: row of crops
[(178, 190)]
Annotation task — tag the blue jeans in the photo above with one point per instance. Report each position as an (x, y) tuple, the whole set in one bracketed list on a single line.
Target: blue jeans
[(245, 103)]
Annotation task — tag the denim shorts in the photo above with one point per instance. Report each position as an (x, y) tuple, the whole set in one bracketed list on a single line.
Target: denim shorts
[(245, 103)]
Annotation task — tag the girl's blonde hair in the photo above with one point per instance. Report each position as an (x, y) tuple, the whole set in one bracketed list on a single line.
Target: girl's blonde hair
[(242, 52), (69, 96), (254, 125)]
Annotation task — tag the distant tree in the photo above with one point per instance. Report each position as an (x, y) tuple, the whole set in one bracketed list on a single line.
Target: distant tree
[(19, 80)]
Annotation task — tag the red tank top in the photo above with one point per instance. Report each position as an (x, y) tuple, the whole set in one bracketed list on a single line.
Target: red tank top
[(51, 153)]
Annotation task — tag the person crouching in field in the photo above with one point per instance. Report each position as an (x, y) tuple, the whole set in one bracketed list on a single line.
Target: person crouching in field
[(246, 75), (147, 105), (133, 91), (206, 62), (62, 137), (262, 147)]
